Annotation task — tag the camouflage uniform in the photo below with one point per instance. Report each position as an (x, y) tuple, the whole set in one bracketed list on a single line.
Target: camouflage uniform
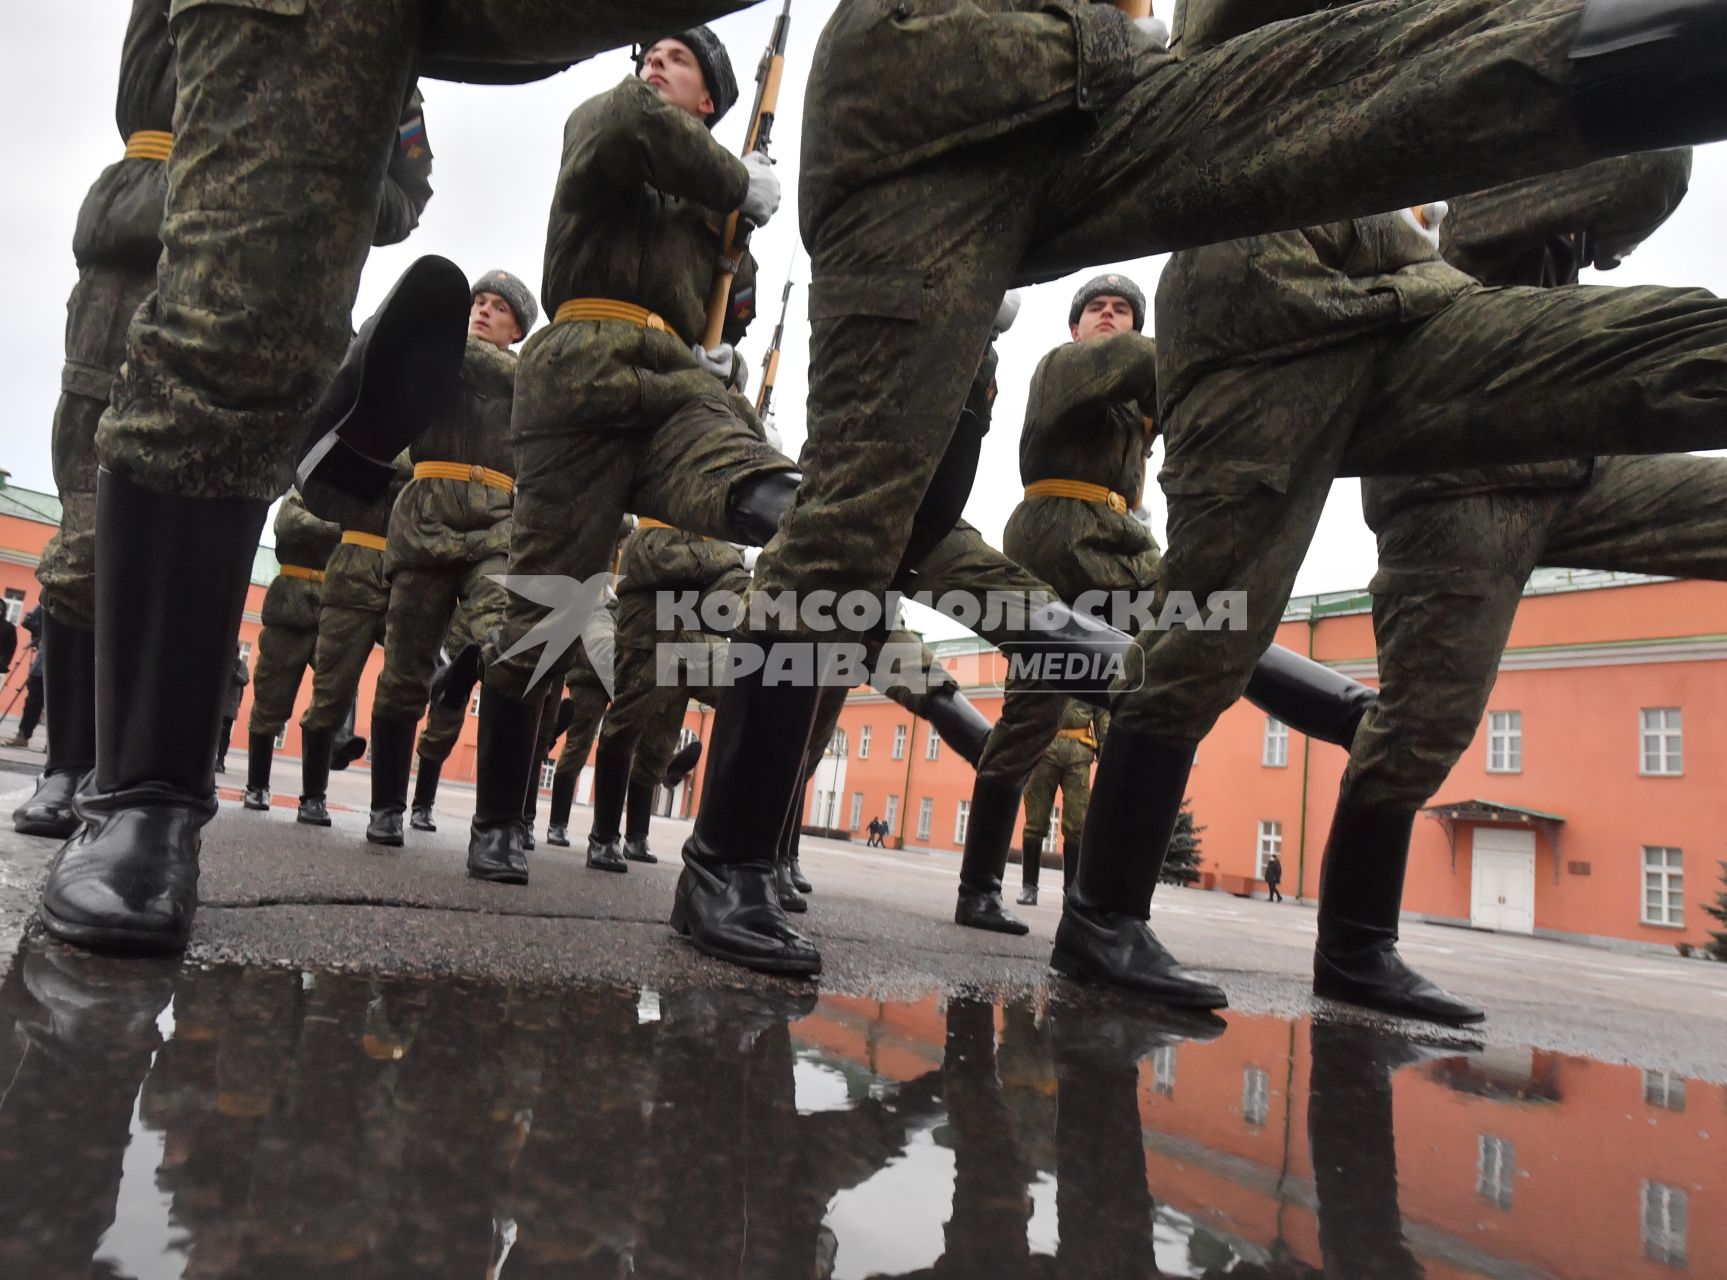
[(1455, 550), (1405, 364), (290, 614), (447, 537), (623, 415), (1045, 136), (1085, 421), (443, 726), (356, 602), (1066, 765), (252, 308), (116, 244)]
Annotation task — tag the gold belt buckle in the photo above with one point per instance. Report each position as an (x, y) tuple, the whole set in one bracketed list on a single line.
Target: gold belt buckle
[(1117, 503), (477, 474)]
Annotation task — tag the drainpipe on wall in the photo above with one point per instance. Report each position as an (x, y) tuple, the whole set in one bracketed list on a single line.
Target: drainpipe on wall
[(905, 798), (1306, 754)]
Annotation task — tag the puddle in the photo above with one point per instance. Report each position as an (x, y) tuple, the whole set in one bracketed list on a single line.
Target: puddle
[(160, 1122)]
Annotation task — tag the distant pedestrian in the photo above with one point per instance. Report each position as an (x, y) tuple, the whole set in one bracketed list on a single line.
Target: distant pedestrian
[(32, 682), (1274, 877), (238, 679), (877, 829)]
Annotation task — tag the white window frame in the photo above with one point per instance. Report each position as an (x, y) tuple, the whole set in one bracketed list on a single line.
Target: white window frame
[(1053, 835), (932, 747), (863, 743), (474, 702), (857, 811), (838, 744), (14, 600), (899, 735), (1664, 1089), (1663, 878), (961, 820), (1163, 1070), (925, 816), (890, 814), (1255, 1096), (1275, 753), (1270, 842), (1505, 742), (548, 772), (282, 740), (1495, 1170), (1661, 742), (1661, 1216), (246, 653)]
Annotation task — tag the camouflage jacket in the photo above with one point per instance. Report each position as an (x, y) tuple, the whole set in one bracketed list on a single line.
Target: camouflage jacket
[(1541, 232), (1079, 717), (1084, 420), (304, 540), (438, 521), (656, 560)]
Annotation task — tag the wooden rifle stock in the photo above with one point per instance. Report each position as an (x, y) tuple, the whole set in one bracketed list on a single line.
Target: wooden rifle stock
[(771, 369), (1135, 8), (768, 76)]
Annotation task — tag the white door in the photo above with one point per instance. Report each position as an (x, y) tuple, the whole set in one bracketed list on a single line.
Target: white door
[(1503, 890)]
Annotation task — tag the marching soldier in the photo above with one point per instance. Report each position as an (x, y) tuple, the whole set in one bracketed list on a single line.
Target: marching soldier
[(1064, 767), (1455, 552), (438, 739), (616, 401), (351, 618), (1047, 137), (449, 536), (289, 636)]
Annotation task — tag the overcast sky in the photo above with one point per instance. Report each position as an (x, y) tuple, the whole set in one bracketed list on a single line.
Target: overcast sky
[(496, 159)]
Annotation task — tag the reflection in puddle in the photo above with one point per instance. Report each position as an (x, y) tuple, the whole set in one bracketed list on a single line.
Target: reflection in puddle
[(177, 1122)]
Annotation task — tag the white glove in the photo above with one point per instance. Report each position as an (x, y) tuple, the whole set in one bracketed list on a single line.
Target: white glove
[(762, 200), (775, 442), (1156, 28), (716, 360), (1008, 312), (751, 555)]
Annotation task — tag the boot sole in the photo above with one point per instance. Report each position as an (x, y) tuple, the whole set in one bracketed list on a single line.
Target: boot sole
[(311, 822), (255, 808), (983, 927), (422, 826), (498, 877), (1362, 1000), (108, 938), (649, 861), (796, 907), (558, 844), (602, 866), (387, 842), (1071, 966), (759, 964)]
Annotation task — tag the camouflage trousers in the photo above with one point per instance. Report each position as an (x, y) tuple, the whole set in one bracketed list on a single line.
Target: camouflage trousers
[(648, 713), (1300, 123), (97, 313), (574, 483), (590, 709), (1451, 575), (350, 623), (443, 726), (424, 604), (1070, 773), (281, 137), (1501, 376), (284, 653)]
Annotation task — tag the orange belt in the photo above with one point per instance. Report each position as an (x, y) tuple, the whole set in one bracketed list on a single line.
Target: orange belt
[(371, 540), (301, 571), (149, 144), (1080, 735), (610, 309), (648, 522), (1080, 490), (462, 471)]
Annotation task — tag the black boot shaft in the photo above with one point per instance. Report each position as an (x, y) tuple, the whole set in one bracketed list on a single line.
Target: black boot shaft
[(392, 758), (1308, 696), (69, 691), (988, 834), (960, 724), (1030, 859), (1135, 799), (260, 755), (426, 783), (563, 797), (505, 763), (611, 785), (315, 747)]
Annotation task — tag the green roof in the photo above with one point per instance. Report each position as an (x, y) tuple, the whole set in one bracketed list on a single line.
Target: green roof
[(28, 504)]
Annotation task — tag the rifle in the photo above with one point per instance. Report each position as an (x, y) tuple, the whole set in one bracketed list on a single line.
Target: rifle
[(768, 75), (1135, 8), (771, 367)]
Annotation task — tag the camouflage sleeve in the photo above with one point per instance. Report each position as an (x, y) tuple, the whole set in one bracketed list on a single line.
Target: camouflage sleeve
[(630, 136), (408, 181), (293, 519), (1618, 203), (1080, 378)]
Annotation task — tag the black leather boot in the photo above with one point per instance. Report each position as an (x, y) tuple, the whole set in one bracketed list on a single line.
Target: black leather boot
[(1360, 899), (315, 746), (1103, 934), (508, 734), (260, 753), (453, 683), (1030, 863), (347, 746), (726, 902), (994, 810), (1648, 73), (638, 812), (610, 792), (563, 796), (425, 794), (171, 578), (682, 765), (1307, 696), (960, 724), (756, 505), (1069, 864), (69, 692), (531, 807), (392, 757), (794, 865), (790, 897)]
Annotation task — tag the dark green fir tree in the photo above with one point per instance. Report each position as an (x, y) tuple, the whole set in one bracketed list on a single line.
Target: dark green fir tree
[(1182, 865)]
